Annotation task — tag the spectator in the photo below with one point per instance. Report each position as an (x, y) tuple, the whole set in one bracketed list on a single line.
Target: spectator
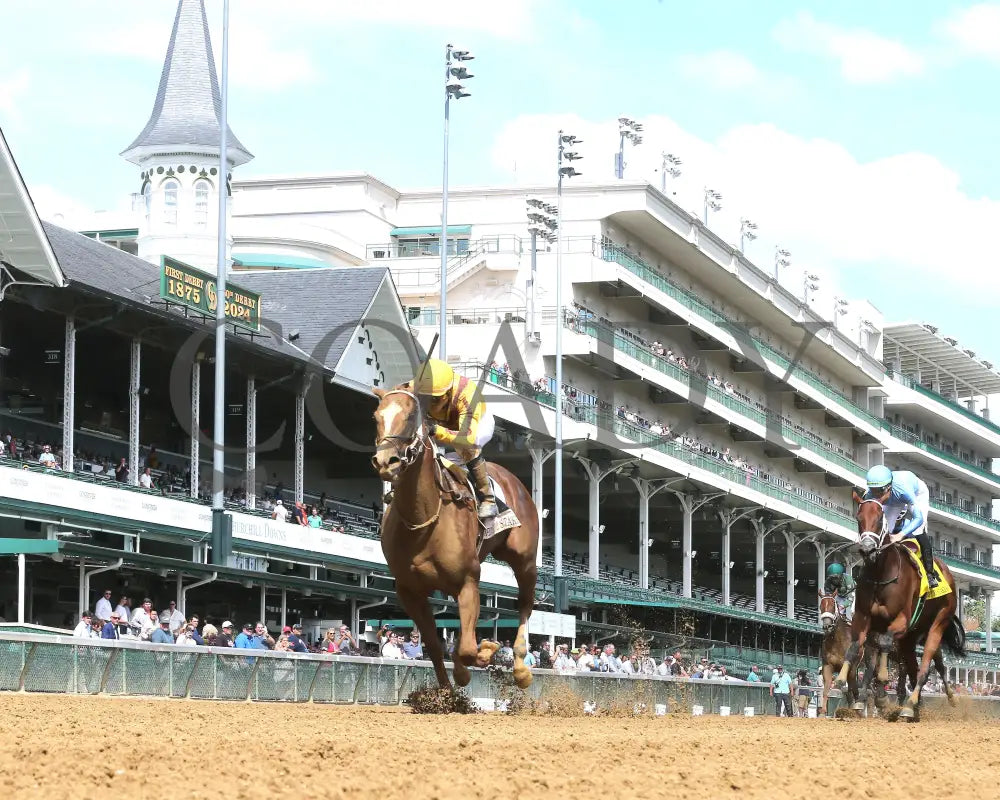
[(146, 479), (110, 628), (563, 662), (315, 520), (545, 656), (121, 472), (803, 692), (142, 622), (280, 513), (210, 634), (162, 634), (184, 636), (123, 612), (46, 459), (753, 677), (245, 638), (781, 688), (299, 514), (83, 628), (193, 630), (413, 648), (296, 645), (585, 663), (176, 618), (261, 640), (609, 662), (344, 643), (390, 648), (103, 608), (225, 636)]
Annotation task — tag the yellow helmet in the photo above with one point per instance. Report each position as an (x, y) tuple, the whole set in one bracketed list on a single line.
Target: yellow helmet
[(437, 378)]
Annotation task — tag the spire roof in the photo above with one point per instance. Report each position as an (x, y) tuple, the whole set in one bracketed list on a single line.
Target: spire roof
[(186, 113)]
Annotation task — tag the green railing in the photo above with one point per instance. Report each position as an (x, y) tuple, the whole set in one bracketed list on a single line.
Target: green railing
[(966, 515), (986, 570), (639, 435), (635, 265), (907, 381), (623, 344)]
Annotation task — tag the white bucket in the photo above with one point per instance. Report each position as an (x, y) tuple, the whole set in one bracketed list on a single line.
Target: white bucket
[(660, 709), (723, 711), (697, 711), (748, 711)]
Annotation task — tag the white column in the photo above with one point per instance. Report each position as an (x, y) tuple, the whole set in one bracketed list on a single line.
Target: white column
[(727, 524), (21, 583), (69, 394), (594, 522), (284, 606), (251, 467), (179, 595), (789, 576), (820, 569), (686, 531), (538, 459), (195, 426), (263, 602), (300, 444), (81, 594), (644, 537), (759, 555), (133, 417), (989, 620)]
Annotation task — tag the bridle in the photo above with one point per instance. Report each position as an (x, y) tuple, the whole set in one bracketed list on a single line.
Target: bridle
[(878, 536), (829, 615), (410, 453)]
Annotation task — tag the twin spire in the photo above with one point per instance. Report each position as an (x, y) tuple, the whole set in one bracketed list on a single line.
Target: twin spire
[(186, 115)]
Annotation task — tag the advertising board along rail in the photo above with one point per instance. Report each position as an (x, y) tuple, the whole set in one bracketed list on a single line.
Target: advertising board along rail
[(58, 494)]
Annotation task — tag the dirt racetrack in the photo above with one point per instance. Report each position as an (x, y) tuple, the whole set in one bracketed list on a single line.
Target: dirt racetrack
[(96, 747)]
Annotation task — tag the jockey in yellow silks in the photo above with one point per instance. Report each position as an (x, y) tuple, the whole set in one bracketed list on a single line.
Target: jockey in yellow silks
[(461, 422)]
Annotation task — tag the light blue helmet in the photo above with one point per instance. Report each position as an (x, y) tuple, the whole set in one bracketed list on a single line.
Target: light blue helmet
[(879, 477), (835, 568)]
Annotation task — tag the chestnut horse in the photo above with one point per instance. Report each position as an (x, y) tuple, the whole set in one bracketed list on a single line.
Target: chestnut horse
[(430, 539), (887, 599), (836, 640)]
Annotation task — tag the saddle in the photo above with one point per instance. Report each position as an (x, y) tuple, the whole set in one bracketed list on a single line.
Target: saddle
[(912, 547), (457, 485)]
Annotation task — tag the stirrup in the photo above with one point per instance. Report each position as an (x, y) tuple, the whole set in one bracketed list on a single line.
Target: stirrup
[(387, 497), (487, 508)]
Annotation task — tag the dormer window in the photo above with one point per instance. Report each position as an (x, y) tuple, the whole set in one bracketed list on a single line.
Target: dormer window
[(201, 191)]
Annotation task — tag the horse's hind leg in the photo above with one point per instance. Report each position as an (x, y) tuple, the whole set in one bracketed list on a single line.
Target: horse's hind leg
[(943, 672), (931, 647), (419, 609), (907, 668), (527, 578)]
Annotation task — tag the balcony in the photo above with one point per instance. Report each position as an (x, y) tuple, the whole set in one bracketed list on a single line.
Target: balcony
[(968, 516), (909, 383), (967, 564), (638, 267), (902, 434), (602, 417), (430, 247), (694, 381)]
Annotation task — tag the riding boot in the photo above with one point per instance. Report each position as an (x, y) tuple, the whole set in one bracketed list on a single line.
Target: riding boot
[(927, 556), (487, 502)]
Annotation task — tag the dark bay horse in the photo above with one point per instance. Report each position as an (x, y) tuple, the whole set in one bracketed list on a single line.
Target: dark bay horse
[(430, 539), (836, 641), (886, 609)]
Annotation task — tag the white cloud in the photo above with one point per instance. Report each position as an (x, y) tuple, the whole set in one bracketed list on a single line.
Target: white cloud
[(975, 30), (12, 88), (720, 69), (906, 212), (864, 56)]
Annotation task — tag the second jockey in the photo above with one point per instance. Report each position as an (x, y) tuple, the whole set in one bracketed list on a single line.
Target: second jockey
[(903, 493), (840, 584), (461, 422)]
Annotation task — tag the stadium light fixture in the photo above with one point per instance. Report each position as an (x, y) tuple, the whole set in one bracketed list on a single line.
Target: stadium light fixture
[(669, 167), (713, 202), (748, 231), (810, 283), (782, 258), (628, 129), (541, 225), (454, 73)]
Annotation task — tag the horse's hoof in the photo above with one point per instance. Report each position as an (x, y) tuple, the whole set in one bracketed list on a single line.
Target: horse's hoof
[(858, 706), (952, 700), (906, 713), (522, 677), (461, 674), (486, 652)]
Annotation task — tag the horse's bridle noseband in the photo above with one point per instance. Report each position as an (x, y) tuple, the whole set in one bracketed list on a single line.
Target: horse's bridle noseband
[(880, 535)]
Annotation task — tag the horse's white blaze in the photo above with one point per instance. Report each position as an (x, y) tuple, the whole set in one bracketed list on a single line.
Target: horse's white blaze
[(389, 414)]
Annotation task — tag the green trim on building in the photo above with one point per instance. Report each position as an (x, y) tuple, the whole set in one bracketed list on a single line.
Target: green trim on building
[(453, 230), (16, 546)]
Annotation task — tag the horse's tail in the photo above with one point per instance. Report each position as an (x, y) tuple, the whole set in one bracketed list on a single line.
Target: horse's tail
[(954, 637)]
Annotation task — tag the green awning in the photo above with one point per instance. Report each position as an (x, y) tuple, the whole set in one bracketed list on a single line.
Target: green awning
[(453, 230), (270, 261), (14, 546)]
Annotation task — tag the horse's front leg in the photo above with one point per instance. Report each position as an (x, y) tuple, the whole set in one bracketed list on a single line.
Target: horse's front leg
[(417, 606), (467, 651), (827, 680)]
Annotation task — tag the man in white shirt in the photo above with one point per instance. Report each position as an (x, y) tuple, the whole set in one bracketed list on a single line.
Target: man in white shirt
[(103, 608), (146, 479), (391, 647), (280, 513), (142, 623), (122, 610), (84, 630), (177, 619), (46, 459)]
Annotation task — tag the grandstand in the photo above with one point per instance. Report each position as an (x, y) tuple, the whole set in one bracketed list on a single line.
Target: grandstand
[(715, 420)]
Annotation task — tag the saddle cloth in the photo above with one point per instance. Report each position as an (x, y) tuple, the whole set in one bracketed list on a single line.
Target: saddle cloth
[(912, 546), (504, 521)]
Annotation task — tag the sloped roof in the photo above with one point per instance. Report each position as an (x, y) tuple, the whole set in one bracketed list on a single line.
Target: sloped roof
[(920, 348), (187, 111), (324, 306), (22, 240)]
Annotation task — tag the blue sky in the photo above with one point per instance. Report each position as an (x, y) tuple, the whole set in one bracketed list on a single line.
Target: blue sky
[(860, 136)]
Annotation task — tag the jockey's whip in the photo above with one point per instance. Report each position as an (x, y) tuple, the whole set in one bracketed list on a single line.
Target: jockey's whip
[(427, 359)]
